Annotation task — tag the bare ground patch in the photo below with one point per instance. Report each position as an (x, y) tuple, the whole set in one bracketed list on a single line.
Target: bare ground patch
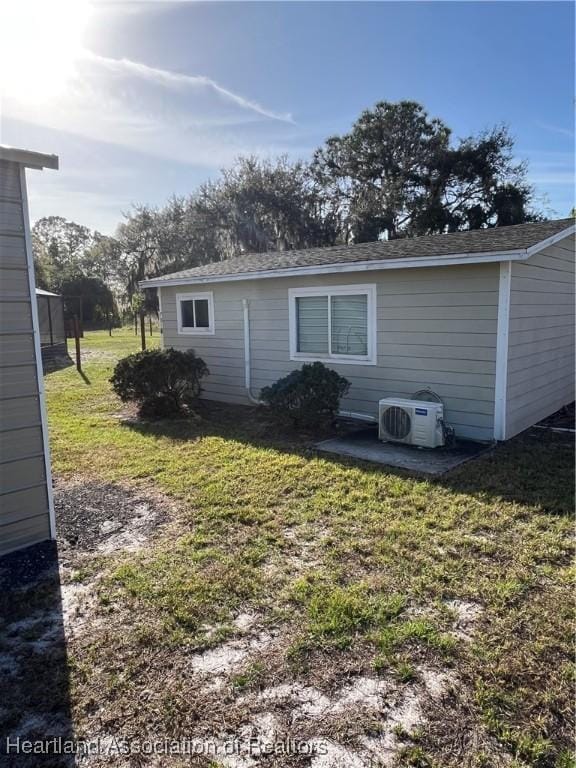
[(49, 600), (245, 701), (98, 517), (244, 697)]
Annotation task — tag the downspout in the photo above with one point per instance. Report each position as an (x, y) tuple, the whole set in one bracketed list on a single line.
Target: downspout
[(247, 366)]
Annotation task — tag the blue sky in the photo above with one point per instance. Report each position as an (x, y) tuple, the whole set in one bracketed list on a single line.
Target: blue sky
[(162, 95)]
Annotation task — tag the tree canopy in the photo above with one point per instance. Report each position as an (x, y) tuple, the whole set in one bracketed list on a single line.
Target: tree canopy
[(64, 250), (398, 172), (262, 205), (91, 298), (80, 264)]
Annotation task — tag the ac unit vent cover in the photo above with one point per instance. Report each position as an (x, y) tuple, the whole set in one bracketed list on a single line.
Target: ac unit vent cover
[(397, 423), (412, 422)]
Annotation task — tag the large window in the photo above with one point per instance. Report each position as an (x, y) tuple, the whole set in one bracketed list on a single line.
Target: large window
[(336, 323), (195, 313)]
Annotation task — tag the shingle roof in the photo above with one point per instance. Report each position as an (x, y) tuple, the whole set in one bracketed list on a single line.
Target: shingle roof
[(499, 239)]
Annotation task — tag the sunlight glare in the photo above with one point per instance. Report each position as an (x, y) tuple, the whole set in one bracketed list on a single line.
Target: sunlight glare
[(40, 40)]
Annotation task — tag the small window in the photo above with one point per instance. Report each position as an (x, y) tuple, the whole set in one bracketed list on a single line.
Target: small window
[(336, 323), (195, 313)]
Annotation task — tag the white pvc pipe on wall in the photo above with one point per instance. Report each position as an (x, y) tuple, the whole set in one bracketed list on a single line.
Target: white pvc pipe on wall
[(247, 363)]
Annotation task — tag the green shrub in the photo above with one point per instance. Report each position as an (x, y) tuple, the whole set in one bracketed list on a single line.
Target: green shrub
[(309, 397), (164, 382)]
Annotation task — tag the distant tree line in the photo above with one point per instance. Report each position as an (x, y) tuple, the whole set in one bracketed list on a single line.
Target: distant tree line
[(397, 173), (82, 265)]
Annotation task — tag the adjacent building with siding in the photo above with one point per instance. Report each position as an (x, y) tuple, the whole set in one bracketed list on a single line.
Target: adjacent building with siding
[(483, 318), (26, 508)]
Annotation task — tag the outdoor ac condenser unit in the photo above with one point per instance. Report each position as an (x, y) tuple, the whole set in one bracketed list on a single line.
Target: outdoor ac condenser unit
[(411, 421)]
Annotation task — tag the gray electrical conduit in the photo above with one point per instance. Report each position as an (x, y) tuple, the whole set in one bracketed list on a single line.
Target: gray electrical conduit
[(248, 376)]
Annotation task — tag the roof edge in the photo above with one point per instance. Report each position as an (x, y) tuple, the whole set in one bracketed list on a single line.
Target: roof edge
[(551, 240), (369, 265), (352, 266), (27, 158)]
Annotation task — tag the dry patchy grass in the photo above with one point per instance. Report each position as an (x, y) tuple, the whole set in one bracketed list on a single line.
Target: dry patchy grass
[(301, 575)]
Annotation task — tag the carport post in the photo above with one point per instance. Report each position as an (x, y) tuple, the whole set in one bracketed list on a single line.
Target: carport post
[(77, 343), (143, 331), (50, 321)]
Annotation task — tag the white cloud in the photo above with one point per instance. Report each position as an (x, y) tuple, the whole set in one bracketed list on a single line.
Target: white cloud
[(551, 168), (550, 177), (552, 174), (182, 84), (569, 133), (189, 118)]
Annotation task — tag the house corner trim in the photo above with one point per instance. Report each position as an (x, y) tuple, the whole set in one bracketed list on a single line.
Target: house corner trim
[(37, 351), (502, 334)]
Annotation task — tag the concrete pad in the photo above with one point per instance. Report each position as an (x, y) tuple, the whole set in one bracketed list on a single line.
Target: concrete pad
[(364, 445)]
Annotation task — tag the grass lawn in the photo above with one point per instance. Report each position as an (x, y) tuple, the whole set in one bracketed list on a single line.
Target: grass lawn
[(452, 596)]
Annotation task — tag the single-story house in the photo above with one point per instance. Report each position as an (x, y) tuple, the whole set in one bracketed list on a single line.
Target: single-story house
[(26, 505), (51, 326), (483, 318)]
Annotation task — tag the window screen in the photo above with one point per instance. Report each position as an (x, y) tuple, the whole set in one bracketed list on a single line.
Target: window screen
[(349, 315), (312, 322)]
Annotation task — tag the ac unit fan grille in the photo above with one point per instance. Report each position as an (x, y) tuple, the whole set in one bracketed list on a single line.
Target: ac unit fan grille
[(397, 422)]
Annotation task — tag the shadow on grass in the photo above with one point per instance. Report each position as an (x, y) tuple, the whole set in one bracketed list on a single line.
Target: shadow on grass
[(59, 364), (34, 670), (55, 364), (536, 468)]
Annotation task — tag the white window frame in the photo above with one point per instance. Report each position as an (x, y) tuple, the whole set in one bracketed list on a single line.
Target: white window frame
[(186, 331), (368, 290)]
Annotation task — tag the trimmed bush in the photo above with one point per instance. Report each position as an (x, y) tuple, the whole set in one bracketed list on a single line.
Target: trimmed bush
[(308, 397), (164, 382)]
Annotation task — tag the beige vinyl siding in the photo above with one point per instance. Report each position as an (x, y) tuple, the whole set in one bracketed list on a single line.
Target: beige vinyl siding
[(24, 516), (436, 327), (541, 336)]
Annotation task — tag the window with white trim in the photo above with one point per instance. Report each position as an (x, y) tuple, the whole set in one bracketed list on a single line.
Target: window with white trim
[(336, 323), (195, 313)]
